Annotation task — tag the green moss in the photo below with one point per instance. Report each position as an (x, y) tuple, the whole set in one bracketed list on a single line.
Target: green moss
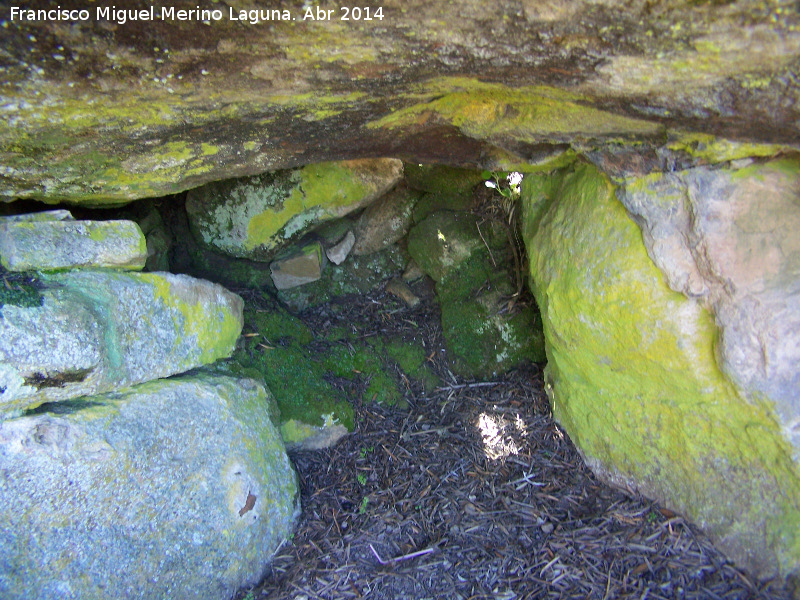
[(297, 368), (291, 371), (716, 150), (633, 376), (473, 267), (533, 113), (357, 275), (20, 289), (481, 339)]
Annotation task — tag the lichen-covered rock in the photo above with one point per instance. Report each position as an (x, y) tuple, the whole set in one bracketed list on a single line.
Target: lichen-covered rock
[(633, 377), (254, 216), (182, 103), (176, 488), (96, 331), (385, 221), (485, 332), (730, 238), (40, 243)]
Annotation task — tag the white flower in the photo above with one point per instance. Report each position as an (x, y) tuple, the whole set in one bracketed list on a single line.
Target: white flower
[(490, 184), (514, 179)]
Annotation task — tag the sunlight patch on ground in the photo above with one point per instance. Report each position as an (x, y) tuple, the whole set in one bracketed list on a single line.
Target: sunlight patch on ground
[(501, 437)]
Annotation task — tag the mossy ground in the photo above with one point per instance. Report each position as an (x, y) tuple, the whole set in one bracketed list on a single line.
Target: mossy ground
[(316, 375)]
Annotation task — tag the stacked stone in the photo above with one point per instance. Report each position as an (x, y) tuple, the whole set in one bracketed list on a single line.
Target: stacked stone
[(118, 481)]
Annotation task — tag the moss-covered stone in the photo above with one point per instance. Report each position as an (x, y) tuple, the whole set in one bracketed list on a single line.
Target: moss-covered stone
[(633, 377), (94, 331), (52, 245), (162, 109), (486, 332), (545, 114)]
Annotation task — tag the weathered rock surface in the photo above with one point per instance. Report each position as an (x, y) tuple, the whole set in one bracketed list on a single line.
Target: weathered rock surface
[(255, 216), (484, 332), (37, 242), (96, 331), (632, 371), (729, 237), (176, 488), (385, 221), (181, 103), (300, 265)]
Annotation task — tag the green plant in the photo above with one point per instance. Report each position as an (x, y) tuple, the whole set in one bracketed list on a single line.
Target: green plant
[(365, 451), (512, 186), (363, 508), (361, 478)]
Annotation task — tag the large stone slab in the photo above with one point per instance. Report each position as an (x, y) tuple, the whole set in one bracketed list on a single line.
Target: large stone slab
[(438, 81), (252, 217), (96, 331), (177, 489), (633, 377), (730, 237), (53, 240)]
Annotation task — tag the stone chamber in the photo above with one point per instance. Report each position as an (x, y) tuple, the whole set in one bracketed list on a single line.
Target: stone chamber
[(605, 188)]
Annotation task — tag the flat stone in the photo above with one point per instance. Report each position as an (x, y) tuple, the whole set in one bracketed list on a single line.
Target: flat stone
[(177, 488), (302, 265), (53, 241), (301, 436), (96, 331), (338, 253), (45, 215)]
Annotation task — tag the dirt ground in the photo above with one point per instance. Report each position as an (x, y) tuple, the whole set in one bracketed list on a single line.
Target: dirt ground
[(474, 492)]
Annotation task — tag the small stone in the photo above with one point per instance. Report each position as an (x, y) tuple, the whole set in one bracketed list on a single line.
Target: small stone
[(304, 264), (413, 272), (400, 288), (338, 253), (548, 528)]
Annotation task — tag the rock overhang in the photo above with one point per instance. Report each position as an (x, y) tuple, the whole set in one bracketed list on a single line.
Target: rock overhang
[(104, 112)]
